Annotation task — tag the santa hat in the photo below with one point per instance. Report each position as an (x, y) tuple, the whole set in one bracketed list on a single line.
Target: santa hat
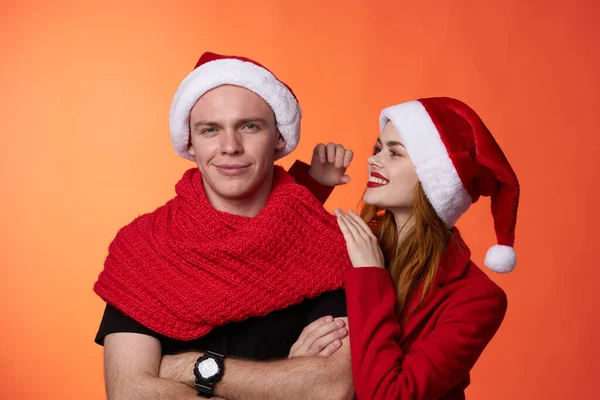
[(457, 161), (213, 70)]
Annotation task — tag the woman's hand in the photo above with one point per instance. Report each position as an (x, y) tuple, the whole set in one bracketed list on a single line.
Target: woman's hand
[(363, 246), (329, 164), (323, 337)]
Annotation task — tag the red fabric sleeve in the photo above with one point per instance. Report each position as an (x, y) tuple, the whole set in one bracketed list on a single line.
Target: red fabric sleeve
[(434, 364), (299, 171)]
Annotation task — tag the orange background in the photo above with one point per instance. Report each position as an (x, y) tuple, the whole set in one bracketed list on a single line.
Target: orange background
[(86, 88)]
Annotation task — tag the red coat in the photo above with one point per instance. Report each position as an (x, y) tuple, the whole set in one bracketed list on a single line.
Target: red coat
[(429, 356)]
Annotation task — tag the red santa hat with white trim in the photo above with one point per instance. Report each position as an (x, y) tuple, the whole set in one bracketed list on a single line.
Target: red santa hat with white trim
[(458, 160), (214, 70)]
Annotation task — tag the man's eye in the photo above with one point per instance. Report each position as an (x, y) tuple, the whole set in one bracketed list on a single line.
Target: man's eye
[(207, 130)]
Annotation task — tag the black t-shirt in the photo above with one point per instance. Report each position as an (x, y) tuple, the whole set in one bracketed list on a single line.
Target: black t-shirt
[(257, 338)]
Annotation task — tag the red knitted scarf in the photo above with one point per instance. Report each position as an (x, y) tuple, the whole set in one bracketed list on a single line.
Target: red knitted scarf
[(187, 268)]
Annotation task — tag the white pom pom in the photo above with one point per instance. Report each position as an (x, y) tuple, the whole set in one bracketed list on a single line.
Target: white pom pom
[(501, 259)]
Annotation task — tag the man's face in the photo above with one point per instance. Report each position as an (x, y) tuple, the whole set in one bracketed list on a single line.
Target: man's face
[(234, 139)]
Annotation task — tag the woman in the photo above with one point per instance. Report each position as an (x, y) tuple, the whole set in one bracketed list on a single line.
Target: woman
[(420, 312)]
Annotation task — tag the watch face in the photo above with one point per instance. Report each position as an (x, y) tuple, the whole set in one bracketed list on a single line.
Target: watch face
[(208, 368)]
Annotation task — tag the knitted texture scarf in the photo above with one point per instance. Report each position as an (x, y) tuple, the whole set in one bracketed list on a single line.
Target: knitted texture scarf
[(187, 268)]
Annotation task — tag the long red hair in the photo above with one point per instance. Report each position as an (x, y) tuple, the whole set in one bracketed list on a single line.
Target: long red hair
[(412, 260)]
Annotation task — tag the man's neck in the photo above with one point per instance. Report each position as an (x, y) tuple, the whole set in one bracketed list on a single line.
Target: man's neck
[(248, 206)]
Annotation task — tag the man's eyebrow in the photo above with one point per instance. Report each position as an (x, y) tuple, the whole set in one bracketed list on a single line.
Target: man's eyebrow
[(205, 123), (244, 121)]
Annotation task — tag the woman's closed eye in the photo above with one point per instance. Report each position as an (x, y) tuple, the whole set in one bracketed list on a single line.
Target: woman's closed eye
[(377, 150)]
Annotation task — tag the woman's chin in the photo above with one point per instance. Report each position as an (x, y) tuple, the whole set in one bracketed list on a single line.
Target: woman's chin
[(370, 199)]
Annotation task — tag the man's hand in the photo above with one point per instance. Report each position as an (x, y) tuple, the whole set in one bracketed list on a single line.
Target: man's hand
[(322, 338), (329, 164)]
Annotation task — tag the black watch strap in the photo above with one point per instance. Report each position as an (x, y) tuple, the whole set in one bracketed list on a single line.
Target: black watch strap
[(204, 389), (204, 386)]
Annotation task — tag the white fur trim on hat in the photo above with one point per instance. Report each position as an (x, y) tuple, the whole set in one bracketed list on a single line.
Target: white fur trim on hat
[(437, 174), (239, 73), (501, 259)]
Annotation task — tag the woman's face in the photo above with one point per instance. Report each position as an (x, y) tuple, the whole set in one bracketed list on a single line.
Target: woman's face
[(392, 175)]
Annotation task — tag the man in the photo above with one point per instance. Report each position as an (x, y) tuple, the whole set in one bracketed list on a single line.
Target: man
[(233, 268)]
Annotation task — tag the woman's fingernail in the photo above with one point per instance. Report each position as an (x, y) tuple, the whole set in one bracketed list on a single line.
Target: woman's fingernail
[(328, 318)]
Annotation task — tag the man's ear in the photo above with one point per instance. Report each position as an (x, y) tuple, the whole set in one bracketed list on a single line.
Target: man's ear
[(280, 141), (191, 151)]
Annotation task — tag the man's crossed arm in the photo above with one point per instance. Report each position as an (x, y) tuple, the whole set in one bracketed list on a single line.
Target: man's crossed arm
[(134, 370)]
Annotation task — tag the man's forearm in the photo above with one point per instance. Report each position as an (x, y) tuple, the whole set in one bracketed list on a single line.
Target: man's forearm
[(151, 388), (131, 370), (179, 367), (295, 378), (298, 378)]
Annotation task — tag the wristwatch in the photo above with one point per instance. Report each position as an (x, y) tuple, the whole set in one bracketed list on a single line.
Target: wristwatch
[(208, 370)]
